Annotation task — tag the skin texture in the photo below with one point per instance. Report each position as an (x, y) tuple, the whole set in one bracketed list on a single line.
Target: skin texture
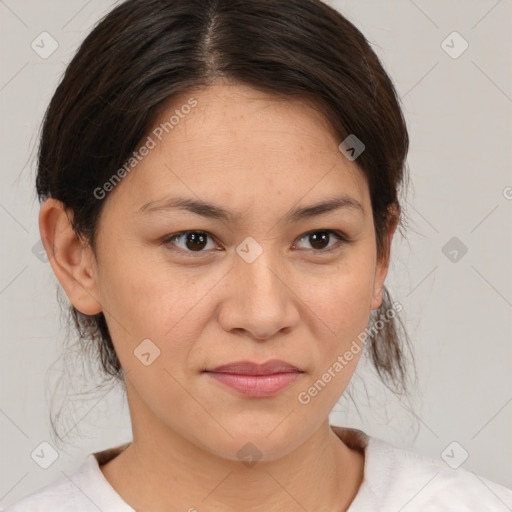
[(258, 156)]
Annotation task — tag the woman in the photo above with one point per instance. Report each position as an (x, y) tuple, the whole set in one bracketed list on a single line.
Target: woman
[(219, 184)]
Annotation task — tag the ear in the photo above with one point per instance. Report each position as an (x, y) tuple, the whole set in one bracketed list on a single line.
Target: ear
[(71, 257), (383, 263)]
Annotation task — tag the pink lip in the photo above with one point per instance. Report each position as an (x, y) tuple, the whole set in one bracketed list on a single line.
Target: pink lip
[(256, 380)]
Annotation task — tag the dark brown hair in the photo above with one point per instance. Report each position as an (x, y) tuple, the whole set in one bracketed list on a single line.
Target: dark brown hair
[(145, 52)]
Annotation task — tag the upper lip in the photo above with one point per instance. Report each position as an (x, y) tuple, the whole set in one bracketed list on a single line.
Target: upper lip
[(250, 368)]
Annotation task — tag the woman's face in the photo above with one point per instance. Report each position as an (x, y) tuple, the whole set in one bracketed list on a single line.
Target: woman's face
[(253, 286)]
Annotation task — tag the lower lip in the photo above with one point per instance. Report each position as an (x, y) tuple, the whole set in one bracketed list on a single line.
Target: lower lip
[(256, 385)]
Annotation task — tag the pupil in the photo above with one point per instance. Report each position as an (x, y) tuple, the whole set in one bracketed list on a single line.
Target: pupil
[(321, 237), (196, 241)]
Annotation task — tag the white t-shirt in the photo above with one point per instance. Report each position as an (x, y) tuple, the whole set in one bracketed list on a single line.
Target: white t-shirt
[(394, 479)]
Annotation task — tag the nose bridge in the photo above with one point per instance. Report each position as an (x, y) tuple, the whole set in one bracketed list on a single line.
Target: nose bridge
[(257, 268), (263, 303)]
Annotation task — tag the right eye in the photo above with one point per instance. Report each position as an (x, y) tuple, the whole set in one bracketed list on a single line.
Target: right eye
[(191, 241)]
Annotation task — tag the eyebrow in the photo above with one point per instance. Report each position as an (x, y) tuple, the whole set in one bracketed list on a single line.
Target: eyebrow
[(216, 212)]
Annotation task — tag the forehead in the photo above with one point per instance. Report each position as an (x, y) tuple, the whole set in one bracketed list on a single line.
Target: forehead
[(240, 146)]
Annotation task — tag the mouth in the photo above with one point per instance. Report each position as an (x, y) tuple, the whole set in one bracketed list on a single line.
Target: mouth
[(253, 379)]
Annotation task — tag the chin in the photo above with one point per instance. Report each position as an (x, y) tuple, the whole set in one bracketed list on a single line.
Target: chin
[(249, 443)]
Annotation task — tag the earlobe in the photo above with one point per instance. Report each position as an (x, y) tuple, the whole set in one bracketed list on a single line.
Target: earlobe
[(71, 258), (376, 299)]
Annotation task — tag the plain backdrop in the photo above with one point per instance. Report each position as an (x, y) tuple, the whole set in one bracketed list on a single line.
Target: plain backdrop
[(452, 273)]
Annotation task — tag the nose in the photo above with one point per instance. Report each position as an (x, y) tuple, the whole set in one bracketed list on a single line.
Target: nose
[(259, 301)]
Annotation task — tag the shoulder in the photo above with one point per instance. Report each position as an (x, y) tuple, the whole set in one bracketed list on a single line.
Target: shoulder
[(403, 479), (84, 490), (58, 496)]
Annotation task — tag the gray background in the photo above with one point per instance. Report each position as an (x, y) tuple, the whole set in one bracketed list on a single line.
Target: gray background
[(458, 313)]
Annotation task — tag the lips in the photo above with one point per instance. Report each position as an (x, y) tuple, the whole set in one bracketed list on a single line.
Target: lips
[(250, 368), (253, 379)]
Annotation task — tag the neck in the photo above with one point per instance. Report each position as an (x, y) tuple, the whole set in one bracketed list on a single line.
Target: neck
[(164, 471)]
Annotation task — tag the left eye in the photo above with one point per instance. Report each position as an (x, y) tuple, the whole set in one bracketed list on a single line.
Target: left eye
[(197, 241), (319, 238)]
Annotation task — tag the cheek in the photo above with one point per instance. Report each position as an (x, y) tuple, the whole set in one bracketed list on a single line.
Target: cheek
[(148, 298), (135, 280), (341, 315), (340, 310), (340, 297)]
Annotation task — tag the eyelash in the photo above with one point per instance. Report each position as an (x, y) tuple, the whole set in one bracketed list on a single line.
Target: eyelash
[(168, 241)]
